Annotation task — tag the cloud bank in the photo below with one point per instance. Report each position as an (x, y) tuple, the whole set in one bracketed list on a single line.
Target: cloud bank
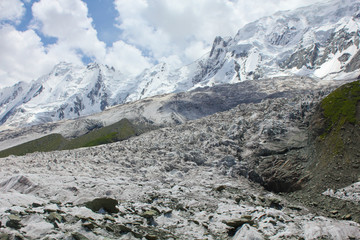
[(178, 32)]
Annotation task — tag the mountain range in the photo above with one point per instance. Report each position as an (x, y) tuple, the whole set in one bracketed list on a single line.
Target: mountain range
[(257, 139), (320, 41)]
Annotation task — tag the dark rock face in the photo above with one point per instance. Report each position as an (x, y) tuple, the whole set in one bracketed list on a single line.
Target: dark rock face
[(103, 204), (354, 63), (318, 54), (202, 102), (282, 173), (214, 63)]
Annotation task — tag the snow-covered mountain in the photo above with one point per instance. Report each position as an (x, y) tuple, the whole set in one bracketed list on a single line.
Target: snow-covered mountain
[(319, 41), (67, 92)]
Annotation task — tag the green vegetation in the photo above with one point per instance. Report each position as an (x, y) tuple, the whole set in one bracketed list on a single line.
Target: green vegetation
[(45, 144), (112, 133), (340, 106)]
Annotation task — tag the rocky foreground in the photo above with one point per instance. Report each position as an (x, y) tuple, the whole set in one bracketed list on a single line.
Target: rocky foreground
[(205, 179)]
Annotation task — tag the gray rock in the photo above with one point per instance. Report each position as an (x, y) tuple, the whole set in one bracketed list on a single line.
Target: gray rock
[(19, 183), (228, 161), (14, 222), (55, 217), (236, 223), (88, 225), (103, 204), (36, 205), (196, 157), (78, 236), (150, 214), (4, 236)]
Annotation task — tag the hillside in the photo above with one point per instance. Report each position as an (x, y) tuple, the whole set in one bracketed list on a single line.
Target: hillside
[(113, 133), (335, 154)]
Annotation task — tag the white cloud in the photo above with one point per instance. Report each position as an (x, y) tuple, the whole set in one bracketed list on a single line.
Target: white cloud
[(186, 28), (11, 10), (68, 21), (126, 58), (22, 56)]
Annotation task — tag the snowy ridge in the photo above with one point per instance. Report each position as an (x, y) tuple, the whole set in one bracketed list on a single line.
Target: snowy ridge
[(67, 92), (321, 41)]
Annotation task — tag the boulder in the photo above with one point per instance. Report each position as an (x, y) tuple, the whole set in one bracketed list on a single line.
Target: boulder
[(55, 217), (14, 222), (236, 223), (4, 236), (78, 236), (103, 204)]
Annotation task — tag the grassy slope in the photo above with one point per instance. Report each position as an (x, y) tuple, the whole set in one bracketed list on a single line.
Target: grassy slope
[(340, 112), (112, 133), (338, 146), (45, 144), (335, 155), (339, 107)]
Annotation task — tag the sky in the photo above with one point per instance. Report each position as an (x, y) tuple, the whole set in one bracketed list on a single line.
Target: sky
[(130, 35)]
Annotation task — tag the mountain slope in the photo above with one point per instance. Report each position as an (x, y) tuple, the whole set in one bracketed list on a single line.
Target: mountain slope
[(101, 135), (319, 41)]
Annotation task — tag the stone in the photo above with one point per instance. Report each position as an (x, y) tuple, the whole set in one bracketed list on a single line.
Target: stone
[(236, 223), (110, 218), (14, 222), (4, 236), (334, 212), (118, 228), (55, 217), (151, 237), (347, 217), (220, 188), (88, 225), (36, 205), (150, 214), (248, 232), (78, 236), (103, 204)]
